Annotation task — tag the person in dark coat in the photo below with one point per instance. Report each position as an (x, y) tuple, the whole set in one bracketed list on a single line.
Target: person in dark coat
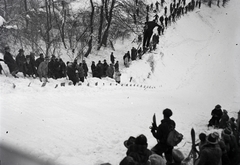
[(85, 68), (39, 60), (223, 123), (94, 69), (29, 68), (81, 73), (11, 63), (62, 68), (105, 67), (20, 60), (211, 152), (112, 58), (99, 69), (216, 116), (133, 53), (148, 31), (137, 152), (161, 134), (71, 73)]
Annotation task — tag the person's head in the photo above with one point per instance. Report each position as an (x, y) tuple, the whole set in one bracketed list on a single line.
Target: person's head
[(47, 58), (41, 55), (202, 137), (218, 106), (7, 49), (141, 140), (20, 51), (212, 139), (28, 58), (167, 113)]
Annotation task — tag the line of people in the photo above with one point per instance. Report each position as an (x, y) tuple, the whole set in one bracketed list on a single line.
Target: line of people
[(46, 67)]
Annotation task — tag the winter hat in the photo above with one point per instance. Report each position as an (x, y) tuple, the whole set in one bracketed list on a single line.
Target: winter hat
[(227, 131), (218, 106), (131, 140), (167, 112), (141, 140), (20, 50), (212, 139), (225, 111)]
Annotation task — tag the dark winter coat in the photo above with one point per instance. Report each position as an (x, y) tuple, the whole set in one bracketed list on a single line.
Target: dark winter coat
[(72, 75), (99, 70), (161, 135), (11, 63), (85, 68), (20, 60), (112, 58), (29, 68), (224, 121), (210, 155), (139, 153), (163, 130), (94, 70), (105, 67)]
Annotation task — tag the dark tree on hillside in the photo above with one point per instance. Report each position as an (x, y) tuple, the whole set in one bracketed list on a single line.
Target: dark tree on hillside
[(91, 31), (108, 17)]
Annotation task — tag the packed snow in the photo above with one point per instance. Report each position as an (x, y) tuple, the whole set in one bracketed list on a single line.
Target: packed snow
[(196, 66)]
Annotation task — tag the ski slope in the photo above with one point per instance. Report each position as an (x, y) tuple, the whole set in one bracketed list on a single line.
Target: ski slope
[(196, 66)]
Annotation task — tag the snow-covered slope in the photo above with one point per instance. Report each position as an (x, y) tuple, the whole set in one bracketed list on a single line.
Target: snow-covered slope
[(196, 66)]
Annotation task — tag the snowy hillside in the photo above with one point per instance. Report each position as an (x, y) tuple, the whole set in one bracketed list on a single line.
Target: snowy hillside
[(196, 66)]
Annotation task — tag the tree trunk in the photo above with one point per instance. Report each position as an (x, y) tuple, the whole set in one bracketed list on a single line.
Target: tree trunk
[(109, 19), (91, 29), (101, 24), (26, 10)]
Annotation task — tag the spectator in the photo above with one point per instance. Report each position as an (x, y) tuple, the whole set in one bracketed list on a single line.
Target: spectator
[(99, 69), (39, 60), (216, 116), (81, 73), (21, 60), (72, 73), (94, 69), (105, 67), (118, 76), (62, 68), (110, 71), (116, 66), (28, 68), (112, 58), (211, 152), (148, 31), (43, 69), (11, 63), (85, 68), (223, 123)]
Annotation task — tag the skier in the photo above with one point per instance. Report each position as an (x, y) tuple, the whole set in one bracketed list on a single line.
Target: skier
[(161, 134)]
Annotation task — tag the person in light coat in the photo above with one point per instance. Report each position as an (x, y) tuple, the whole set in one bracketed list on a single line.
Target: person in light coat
[(43, 69)]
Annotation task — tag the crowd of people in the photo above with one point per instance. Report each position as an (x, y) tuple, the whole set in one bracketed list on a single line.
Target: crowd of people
[(46, 67), (213, 148)]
